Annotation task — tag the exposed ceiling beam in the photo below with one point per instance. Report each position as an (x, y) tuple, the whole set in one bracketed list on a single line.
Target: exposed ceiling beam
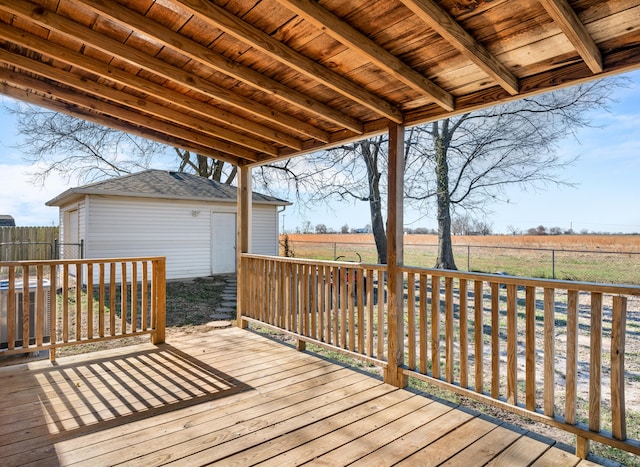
[(80, 61), (567, 19), (49, 20), (179, 43), (447, 27), (220, 18), (330, 24), (133, 102), (74, 97), (29, 97)]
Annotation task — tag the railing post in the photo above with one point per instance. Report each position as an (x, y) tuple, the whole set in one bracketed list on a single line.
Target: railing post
[(159, 299), (395, 360), (244, 236)]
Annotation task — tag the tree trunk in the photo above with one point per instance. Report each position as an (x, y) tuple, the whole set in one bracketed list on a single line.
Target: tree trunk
[(445, 249), (370, 156)]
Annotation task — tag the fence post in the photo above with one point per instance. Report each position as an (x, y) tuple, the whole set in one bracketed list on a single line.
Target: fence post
[(335, 252), (468, 258), (553, 264)]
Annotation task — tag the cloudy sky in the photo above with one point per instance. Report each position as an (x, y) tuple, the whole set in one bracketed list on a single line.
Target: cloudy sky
[(605, 199)]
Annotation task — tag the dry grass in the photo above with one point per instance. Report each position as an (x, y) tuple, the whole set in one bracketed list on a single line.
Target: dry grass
[(617, 243)]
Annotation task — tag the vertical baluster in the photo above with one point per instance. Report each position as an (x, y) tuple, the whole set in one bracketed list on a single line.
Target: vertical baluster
[(343, 308), (328, 301), (321, 302), (530, 345), (411, 320), (351, 302), (478, 332), (306, 283), (313, 301), (448, 322), (572, 357), (423, 323), (381, 314), (123, 297), (370, 309), (359, 277), (40, 320), (11, 309), (112, 300), (53, 317), (281, 294), (495, 340), (101, 312), (273, 292), (512, 340), (134, 296), (26, 306), (90, 301), (65, 303), (618, 334), (79, 330), (294, 297), (435, 326), (144, 302), (464, 344), (268, 291), (549, 351), (335, 292), (595, 364)]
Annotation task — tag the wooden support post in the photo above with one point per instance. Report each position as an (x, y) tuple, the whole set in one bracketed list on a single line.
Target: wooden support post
[(393, 374), (582, 447), (159, 285), (244, 237)]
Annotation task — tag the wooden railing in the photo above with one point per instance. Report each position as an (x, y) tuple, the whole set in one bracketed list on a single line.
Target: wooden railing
[(46, 305), (333, 303), (553, 351)]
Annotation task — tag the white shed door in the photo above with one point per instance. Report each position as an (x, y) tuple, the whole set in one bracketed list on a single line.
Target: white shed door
[(223, 242)]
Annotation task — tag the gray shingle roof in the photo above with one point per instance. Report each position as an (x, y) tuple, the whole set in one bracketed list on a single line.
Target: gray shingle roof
[(7, 221), (163, 184)]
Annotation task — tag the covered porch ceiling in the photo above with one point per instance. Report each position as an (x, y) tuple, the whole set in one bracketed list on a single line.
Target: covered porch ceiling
[(254, 81)]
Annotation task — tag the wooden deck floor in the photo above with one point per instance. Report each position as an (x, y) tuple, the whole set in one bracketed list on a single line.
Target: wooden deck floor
[(235, 398)]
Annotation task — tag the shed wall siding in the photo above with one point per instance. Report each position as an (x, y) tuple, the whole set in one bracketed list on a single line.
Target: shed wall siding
[(264, 238), (125, 227), (179, 230)]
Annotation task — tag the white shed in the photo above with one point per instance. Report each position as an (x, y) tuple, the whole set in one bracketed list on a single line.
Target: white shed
[(189, 219)]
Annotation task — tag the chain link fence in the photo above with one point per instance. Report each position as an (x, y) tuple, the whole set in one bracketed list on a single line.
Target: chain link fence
[(579, 265)]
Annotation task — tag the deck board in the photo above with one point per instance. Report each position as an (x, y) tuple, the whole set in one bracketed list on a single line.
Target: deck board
[(233, 397)]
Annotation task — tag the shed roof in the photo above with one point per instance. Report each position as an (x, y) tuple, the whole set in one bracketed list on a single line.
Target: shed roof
[(7, 220), (165, 185), (252, 81)]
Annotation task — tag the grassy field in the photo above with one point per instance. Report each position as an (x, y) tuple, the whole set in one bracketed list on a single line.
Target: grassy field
[(590, 258)]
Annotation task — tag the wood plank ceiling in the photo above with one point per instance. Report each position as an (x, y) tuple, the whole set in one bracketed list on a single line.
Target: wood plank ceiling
[(252, 81)]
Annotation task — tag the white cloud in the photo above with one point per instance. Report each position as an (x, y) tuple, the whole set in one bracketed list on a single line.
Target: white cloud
[(23, 200)]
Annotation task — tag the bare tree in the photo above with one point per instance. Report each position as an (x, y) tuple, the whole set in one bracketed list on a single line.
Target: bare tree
[(84, 151), (460, 163), (206, 167)]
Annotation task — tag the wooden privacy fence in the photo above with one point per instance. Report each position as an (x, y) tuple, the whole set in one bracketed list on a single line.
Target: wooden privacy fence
[(45, 305), (553, 351), (27, 243)]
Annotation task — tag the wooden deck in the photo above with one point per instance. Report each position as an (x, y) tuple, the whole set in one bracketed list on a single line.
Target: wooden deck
[(236, 398)]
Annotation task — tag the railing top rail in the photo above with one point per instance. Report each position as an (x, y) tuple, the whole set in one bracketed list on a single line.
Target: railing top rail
[(79, 261), (528, 281), (283, 259)]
